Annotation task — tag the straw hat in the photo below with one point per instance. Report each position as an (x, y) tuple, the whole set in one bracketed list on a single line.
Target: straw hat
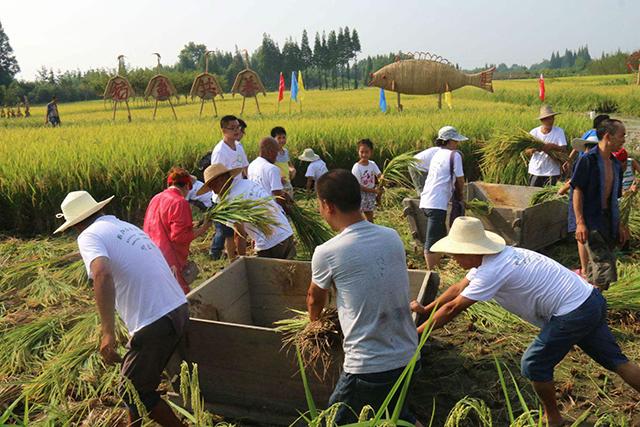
[(450, 133), (78, 206), (546, 111), (579, 144), (212, 172), (468, 237), (308, 155)]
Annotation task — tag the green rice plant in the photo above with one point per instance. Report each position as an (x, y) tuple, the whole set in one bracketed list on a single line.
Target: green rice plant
[(191, 397), (310, 227), (526, 418), (627, 205), (463, 410), (396, 171), (478, 207), (240, 210), (547, 194)]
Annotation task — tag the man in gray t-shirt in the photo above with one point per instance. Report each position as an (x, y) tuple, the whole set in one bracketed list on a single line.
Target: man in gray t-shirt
[(367, 265)]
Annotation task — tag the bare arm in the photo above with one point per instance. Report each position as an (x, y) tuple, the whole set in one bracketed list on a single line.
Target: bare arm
[(316, 300), (581, 228), (240, 230), (459, 188), (451, 293), (105, 294), (309, 183), (448, 312)]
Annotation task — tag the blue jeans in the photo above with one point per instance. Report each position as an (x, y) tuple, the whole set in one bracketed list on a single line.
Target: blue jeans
[(359, 390), (586, 327), (436, 227), (217, 244)]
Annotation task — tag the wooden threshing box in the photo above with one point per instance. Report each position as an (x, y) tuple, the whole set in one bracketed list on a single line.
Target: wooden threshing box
[(244, 373)]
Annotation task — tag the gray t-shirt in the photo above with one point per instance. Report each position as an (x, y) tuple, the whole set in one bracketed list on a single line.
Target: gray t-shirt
[(367, 264)]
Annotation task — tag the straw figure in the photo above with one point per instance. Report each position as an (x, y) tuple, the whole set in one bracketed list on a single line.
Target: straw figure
[(27, 112), (427, 74), (248, 84), (633, 63), (119, 89), (160, 88), (206, 86)]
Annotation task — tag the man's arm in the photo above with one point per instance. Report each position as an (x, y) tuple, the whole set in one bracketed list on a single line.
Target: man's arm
[(105, 294), (581, 227), (316, 300), (451, 293), (448, 312), (459, 188), (309, 183), (240, 230)]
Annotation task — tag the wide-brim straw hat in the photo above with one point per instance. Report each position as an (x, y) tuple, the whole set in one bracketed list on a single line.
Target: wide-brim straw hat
[(78, 206), (546, 111), (468, 237), (212, 172), (579, 144), (308, 155)]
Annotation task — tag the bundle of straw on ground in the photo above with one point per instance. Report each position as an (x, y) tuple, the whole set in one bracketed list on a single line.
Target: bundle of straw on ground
[(316, 340), (478, 207), (310, 227), (625, 293), (504, 160), (239, 210), (547, 194)]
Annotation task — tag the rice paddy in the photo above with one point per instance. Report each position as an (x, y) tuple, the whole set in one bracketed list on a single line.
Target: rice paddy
[(50, 370)]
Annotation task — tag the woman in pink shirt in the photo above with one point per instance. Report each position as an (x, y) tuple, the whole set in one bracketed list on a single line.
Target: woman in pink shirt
[(169, 223)]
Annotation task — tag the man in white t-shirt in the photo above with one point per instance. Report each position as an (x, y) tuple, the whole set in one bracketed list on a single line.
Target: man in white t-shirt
[(229, 152), (279, 242), (420, 171), (367, 265), (317, 167), (568, 310), (131, 276), (543, 170), (264, 171), (445, 179)]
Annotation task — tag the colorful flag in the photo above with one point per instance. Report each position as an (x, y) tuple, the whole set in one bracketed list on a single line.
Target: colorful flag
[(383, 101), (281, 88), (448, 99), (294, 86), (541, 87), (300, 85)]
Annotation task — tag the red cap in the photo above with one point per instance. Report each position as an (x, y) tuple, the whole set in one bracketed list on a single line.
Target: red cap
[(621, 155)]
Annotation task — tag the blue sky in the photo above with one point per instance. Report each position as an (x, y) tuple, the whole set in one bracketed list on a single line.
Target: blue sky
[(83, 34)]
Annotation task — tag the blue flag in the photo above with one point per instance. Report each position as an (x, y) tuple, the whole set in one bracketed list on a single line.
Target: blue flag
[(383, 101), (294, 86)]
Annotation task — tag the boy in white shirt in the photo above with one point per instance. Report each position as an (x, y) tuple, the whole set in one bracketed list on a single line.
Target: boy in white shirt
[(317, 167), (543, 170)]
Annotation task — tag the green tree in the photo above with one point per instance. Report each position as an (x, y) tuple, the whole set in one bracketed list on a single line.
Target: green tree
[(355, 49), (8, 63), (268, 61), (306, 55), (191, 57), (332, 57), (291, 57)]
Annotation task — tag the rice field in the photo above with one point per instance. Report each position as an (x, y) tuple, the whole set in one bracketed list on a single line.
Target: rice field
[(50, 371)]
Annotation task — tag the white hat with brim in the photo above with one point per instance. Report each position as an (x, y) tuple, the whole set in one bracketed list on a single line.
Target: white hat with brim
[(546, 111), (308, 155), (448, 133), (468, 237), (78, 206), (214, 171), (579, 144)]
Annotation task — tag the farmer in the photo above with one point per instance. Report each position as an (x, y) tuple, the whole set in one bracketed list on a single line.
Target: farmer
[(279, 242), (597, 185), (445, 179), (263, 171), (229, 152), (130, 275), (543, 170), (287, 170), (591, 133), (52, 116), (539, 290), (367, 265), (420, 171), (169, 223)]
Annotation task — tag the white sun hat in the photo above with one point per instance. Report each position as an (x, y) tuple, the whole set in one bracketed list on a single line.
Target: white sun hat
[(468, 237), (450, 133), (308, 155), (579, 144), (78, 206)]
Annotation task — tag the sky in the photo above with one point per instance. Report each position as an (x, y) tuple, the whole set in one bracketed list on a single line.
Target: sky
[(85, 34)]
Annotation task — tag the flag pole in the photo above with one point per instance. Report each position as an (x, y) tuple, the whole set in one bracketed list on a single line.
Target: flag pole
[(289, 105)]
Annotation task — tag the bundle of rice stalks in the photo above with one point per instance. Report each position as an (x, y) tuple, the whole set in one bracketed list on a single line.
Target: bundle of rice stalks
[(627, 203), (491, 318), (479, 207), (316, 339), (548, 194), (311, 228), (237, 209), (396, 171), (504, 160), (625, 293)]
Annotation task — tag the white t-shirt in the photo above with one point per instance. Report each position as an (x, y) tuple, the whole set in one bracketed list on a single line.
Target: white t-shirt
[(266, 174), (232, 159), (316, 169), (439, 185), (527, 284), (366, 175), (367, 264), (541, 164), (204, 198), (424, 158), (146, 289), (251, 190)]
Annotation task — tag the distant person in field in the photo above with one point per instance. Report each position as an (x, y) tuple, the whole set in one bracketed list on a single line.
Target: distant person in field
[(317, 167), (541, 291), (368, 174), (444, 181), (263, 171), (52, 115), (543, 170), (597, 185), (366, 263), (130, 275), (420, 171), (169, 223), (230, 153), (591, 133), (287, 170), (279, 243)]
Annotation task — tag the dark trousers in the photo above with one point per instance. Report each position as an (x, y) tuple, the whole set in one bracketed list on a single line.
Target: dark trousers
[(542, 181)]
